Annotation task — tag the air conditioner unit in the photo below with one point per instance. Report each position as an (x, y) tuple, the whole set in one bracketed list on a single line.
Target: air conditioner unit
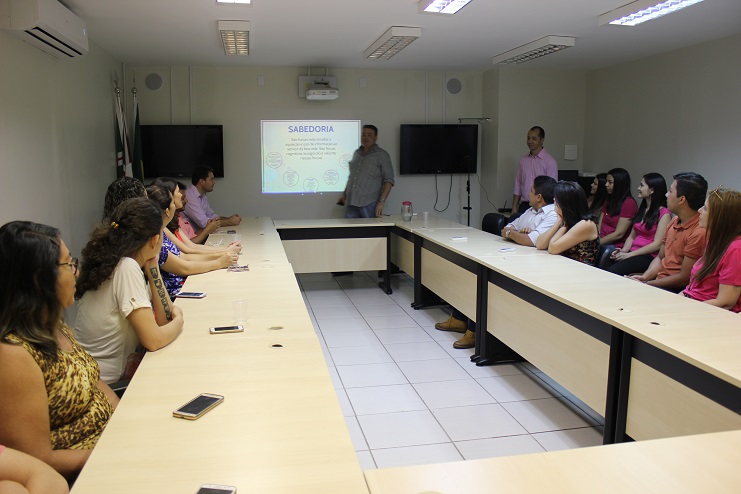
[(46, 24), (318, 88)]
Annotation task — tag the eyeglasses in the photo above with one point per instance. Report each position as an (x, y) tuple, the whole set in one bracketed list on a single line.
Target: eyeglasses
[(73, 264), (717, 194)]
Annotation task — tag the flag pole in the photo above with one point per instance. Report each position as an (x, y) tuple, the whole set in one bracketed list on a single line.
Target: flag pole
[(137, 163), (123, 160)]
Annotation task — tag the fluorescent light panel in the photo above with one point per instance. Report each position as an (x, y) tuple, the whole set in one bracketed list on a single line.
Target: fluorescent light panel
[(636, 13), (441, 6), (536, 49), (235, 36), (235, 1), (392, 42)]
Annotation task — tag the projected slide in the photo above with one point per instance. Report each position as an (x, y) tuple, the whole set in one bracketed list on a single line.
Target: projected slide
[(307, 156)]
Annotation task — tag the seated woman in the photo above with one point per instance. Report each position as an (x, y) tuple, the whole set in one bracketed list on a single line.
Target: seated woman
[(121, 309), (54, 405), (186, 228), (716, 276), (619, 209), (598, 193), (121, 189), (176, 266), (574, 235), (649, 227), (176, 233)]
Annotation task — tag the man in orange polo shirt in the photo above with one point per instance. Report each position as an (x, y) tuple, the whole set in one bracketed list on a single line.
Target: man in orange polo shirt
[(684, 241)]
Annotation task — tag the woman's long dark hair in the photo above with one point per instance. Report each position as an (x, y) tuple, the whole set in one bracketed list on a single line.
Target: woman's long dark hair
[(601, 195), (650, 216), (133, 223), (169, 185), (724, 226), (29, 268), (572, 200), (620, 190)]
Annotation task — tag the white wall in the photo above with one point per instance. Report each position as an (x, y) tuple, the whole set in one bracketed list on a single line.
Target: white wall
[(231, 96), (56, 137), (680, 111), (519, 99)]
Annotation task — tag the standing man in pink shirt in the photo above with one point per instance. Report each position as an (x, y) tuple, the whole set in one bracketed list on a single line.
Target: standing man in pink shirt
[(537, 162)]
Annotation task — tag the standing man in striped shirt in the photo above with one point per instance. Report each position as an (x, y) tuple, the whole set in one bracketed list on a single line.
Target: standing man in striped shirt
[(537, 162)]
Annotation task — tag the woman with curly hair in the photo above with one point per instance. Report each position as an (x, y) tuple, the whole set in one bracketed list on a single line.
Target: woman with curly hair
[(54, 405), (121, 189), (177, 266), (120, 308), (716, 276), (574, 235)]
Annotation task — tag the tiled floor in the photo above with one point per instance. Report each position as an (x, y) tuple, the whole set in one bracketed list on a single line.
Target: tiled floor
[(410, 398)]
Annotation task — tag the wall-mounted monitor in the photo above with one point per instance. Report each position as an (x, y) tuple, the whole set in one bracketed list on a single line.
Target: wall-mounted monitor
[(174, 150), (438, 148)]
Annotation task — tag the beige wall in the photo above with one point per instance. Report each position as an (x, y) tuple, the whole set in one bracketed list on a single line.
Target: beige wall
[(232, 97), (56, 137), (680, 111), (677, 111), (519, 99)]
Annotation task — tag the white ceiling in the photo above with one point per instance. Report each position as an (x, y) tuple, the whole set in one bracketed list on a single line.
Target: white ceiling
[(334, 33)]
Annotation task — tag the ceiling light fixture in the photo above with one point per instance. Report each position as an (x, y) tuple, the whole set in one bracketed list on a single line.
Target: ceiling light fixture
[(641, 11), (441, 6), (392, 42), (536, 49), (243, 2), (235, 36)]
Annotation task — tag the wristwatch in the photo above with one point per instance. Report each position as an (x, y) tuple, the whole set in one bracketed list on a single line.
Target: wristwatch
[(506, 233), (381, 199)]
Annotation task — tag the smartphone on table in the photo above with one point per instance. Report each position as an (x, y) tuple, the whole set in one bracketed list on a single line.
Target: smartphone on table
[(237, 328), (191, 294), (217, 489), (198, 406)]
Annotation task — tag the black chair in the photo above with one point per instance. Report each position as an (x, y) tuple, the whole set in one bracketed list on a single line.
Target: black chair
[(603, 256), (119, 387), (493, 223)]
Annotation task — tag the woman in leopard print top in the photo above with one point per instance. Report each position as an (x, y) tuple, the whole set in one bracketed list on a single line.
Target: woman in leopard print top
[(54, 405)]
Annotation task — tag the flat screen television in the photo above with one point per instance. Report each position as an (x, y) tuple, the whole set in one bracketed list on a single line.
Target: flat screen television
[(174, 150), (438, 148)]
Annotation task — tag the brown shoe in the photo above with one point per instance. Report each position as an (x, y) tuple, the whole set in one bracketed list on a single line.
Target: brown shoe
[(468, 341), (452, 324)]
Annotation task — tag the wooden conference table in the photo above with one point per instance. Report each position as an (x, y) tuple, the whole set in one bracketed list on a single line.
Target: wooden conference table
[(280, 428)]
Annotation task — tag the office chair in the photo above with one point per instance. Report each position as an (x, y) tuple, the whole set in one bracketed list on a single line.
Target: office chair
[(493, 223)]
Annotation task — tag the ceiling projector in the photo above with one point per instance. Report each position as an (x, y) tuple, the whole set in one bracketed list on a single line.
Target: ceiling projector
[(321, 91)]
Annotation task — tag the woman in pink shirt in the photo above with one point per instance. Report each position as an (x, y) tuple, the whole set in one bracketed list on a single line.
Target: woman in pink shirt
[(716, 276), (619, 209), (649, 227)]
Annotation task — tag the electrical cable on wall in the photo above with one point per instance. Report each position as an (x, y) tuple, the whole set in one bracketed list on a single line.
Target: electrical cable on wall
[(450, 190), (485, 193)]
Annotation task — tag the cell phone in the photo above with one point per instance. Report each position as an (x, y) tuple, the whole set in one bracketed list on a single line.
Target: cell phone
[(238, 269), (191, 294), (231, 231), (217, 489), (198, 406), (226, 329)]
